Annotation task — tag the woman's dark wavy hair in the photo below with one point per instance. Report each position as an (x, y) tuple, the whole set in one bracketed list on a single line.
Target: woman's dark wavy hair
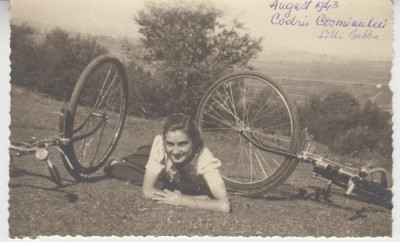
[(185, 123)]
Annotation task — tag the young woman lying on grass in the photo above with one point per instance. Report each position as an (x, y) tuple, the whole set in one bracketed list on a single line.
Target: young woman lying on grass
[(186, 168)]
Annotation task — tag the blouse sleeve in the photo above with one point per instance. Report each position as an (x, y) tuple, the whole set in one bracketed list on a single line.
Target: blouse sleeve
[(155, 162), (208, 167)]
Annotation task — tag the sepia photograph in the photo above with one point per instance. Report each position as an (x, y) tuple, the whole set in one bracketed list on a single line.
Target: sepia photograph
[(201, 118)]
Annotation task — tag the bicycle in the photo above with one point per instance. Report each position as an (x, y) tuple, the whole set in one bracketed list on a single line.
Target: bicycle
[(251, 122), (91, 124)]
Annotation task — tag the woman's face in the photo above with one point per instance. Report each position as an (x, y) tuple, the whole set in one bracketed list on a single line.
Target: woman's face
[(178, 146)]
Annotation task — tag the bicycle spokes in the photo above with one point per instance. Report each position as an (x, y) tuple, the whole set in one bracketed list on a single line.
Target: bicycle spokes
[(250, 105), (99, 112)]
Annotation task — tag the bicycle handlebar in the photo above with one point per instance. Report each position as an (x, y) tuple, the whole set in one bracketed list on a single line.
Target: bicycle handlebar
[(22, 149)]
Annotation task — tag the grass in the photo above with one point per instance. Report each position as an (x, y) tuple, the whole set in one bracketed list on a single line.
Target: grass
[(37, 207)]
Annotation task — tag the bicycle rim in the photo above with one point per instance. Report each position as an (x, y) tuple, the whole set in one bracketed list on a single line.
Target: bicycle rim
[(252, 104), (98, 103)]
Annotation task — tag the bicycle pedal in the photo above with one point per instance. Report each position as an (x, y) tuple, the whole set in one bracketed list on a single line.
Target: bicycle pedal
[(350, 188), (306, 142)]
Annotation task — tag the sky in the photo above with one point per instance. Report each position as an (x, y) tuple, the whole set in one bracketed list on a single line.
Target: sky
[(104, 17)]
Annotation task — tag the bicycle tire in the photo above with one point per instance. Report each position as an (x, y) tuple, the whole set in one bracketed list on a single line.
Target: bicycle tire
[(221, 118), (95, 104)]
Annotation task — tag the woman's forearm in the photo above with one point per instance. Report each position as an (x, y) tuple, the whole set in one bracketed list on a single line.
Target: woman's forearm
[(149, 187), (210, 204), (149, 192)]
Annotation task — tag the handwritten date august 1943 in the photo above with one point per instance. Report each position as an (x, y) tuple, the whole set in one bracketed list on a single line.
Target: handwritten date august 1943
[(301, 14), (284, 11)]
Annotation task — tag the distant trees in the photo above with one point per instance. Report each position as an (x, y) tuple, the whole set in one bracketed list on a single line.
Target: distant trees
[(339, 122), (52, 66), (330, 117), (24, 55), (186, 49)]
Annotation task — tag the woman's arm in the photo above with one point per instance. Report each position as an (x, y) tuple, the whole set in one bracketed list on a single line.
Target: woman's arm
[(153, 167), (149, 182), (220, 203)]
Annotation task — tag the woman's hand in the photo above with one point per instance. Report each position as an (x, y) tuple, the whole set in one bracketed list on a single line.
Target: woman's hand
[(168, 197), (176, 198)]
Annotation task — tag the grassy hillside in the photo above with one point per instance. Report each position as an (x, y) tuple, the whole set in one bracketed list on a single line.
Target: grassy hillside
[(113, 207)]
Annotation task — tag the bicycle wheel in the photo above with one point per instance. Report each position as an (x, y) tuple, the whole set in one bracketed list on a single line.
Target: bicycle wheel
[(95, 116), (250, 104)]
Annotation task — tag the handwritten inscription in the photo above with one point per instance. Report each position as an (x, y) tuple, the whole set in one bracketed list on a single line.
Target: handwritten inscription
[(288, 7), (323, 20), (355, 34), (317, 13), (331, 34), (321, 5), (281, 20), (367, 34)]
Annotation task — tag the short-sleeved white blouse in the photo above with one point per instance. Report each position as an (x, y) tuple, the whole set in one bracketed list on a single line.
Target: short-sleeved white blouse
[(207, 164)]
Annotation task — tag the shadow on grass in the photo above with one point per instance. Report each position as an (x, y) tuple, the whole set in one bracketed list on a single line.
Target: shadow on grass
[(287, 192), (58, 188), (18, 172), (385, 204), (72, 198)]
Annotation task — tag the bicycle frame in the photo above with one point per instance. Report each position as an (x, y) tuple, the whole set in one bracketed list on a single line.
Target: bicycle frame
[(362, 180), (40, 148), (66, 116)]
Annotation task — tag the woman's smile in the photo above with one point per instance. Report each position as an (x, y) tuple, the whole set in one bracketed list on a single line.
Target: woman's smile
[(178, 146)]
